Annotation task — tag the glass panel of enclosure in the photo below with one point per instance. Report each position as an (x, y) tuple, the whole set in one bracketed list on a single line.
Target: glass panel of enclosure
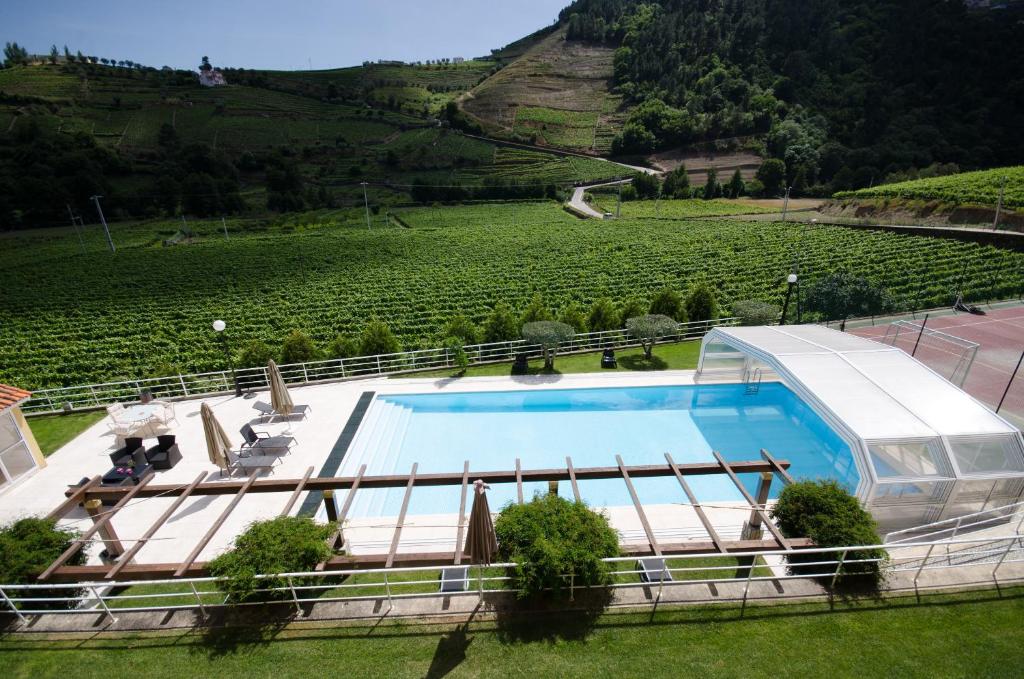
[(9, 432), (719, 356), (909, 459), (988, 454), (17, 460)]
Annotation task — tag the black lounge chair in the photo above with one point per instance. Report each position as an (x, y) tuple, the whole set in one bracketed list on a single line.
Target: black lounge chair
[(262, 441), (123, 456), (165, 454), (653, 569), (131, 473), (520, 366), (608, 359)]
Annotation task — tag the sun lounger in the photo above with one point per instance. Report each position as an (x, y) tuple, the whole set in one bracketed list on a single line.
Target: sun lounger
[(653, 569), (263, 442), (266, 410)]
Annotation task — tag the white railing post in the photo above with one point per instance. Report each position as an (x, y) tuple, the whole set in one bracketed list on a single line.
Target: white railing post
[(924, 562), (10, 603), (746, 586), (305, 374), (379, 371), (341, 364), (184, 389), (839, 567), (95, 398), (387, 589), (295, 596), (99, 597), (1009, 545), (572, 587), (199, 599)]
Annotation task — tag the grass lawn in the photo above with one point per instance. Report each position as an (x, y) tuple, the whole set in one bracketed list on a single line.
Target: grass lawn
[(53, 431), (680, 356), (961, 635)]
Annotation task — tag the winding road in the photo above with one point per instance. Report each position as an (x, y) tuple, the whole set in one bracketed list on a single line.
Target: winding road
[(578, 205)]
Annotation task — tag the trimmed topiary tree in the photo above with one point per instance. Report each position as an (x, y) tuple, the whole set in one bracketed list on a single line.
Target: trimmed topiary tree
[(282, 545), (649, 329), (548, 334), (667, 302), (701, 304), (826, 513), (27, 547), (551, 537), (755, 312), (602, 316)]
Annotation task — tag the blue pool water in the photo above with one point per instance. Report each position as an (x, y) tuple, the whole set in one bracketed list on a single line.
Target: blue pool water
[(542, 427)]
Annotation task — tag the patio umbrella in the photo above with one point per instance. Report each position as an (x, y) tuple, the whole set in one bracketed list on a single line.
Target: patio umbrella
[(481, 543), (217, 442), (280, 399)]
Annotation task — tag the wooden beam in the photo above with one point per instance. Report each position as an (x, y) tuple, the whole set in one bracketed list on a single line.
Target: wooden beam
[(779, 537), (459, 547), (151, 531), (519, 481), (572, 479), (712, 533), (75, 499), (639, 507), (96, 526), (443, 479), (194, 554), (776, 467), (401, 516), (351, 495), (295, 493)]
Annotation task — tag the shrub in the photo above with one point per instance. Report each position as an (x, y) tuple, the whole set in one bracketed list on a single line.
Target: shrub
[(754, 312), (602, 316), (27, 547), (701, 304), (649, 328), (297, 348), (281, 545), (573, 316), (457, 353), (548, 334), (377, 338), (667, 302), (502, 325), (464, 329), (255, 354), (549, 537), (343, 347), (631, 309), (827, 514), (536, 310), (844, 294)]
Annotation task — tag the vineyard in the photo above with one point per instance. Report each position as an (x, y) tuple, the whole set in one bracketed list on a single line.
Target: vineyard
[(978, 188), (71, 317)]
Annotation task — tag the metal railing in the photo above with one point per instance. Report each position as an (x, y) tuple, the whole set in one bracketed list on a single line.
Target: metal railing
[(746, 568), (202, 384), (950, 528)]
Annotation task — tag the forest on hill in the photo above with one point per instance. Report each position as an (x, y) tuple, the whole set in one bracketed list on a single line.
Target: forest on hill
[(846, 92)]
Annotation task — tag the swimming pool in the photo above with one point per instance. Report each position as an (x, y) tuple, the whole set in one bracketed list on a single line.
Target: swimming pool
[(490, 429)]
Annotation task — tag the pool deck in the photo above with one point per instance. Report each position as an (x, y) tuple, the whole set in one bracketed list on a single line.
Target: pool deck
[(87, 455)]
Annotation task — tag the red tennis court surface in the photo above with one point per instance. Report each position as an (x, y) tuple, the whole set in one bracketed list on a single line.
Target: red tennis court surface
[(1000, 336)]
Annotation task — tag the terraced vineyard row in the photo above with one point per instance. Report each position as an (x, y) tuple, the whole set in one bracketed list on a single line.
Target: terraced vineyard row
[(981, 188), (95, 318)]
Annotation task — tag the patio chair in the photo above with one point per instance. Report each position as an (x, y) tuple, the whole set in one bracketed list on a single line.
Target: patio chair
[(262, 441), (238, 460), (123, 456), (131, 473), (165, 454), (608, 359), (167, 414), (267, 411)]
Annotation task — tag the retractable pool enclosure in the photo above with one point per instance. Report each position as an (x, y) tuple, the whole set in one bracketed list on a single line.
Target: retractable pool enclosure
[(926, 450)]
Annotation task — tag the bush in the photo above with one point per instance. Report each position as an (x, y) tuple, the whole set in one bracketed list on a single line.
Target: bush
[(457, 353), (502, 325), (573, 316), (255, 354), (464, 329), (27, 547), (754, 312), (536, 310), (282, 545), (602, 316), (297, 348), (342, 347), (631, 309), (549, 537), (667, 302), (827, 514), (377, 338), (701, 304)]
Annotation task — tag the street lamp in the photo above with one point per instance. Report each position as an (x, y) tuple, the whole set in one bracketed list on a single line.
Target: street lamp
[(218, 327), (791, 279)]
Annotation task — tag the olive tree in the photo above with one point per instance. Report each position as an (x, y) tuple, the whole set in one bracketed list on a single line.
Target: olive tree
[(648, 329), (755, 312), (548, 334)]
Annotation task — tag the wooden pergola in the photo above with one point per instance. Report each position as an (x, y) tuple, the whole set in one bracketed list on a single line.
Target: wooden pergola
[(93, 496)]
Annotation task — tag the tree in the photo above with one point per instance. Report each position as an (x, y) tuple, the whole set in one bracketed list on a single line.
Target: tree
[(342, 346), (501, 325), (736, 185), (631, 308), (574, 317), (297, 348), (701, 304), (755, 312), (711, 187), (53, 54), (649, 328), (464, 329), (254, 354), (602, 316), (548, 334), (377, 338), (27, 547), (843, 294), (536, 310), (668, 302), (15, 54), (676, 183), (772, 174), (205, 65), (646, 185)]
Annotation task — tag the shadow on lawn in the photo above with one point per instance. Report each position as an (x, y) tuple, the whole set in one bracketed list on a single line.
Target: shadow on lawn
[(541, 621), (239, 631), (640, 362)]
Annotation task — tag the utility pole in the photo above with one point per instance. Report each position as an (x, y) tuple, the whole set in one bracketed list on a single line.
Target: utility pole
[(74, 224), (618, 203), (366, 204), (225, 225), (103, 220), (999, 204), (785, 202)]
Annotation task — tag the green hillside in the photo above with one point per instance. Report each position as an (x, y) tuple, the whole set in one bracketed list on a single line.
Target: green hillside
[(967, 188), (155, 142)]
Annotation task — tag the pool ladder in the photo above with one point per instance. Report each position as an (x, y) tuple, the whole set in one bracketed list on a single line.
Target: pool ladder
[(752, 378)]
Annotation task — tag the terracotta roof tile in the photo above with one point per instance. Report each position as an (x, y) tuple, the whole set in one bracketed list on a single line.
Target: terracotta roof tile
[(10, 396)]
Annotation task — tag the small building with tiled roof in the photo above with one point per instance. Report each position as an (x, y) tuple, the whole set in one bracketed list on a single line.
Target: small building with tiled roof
[(19, 452)]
